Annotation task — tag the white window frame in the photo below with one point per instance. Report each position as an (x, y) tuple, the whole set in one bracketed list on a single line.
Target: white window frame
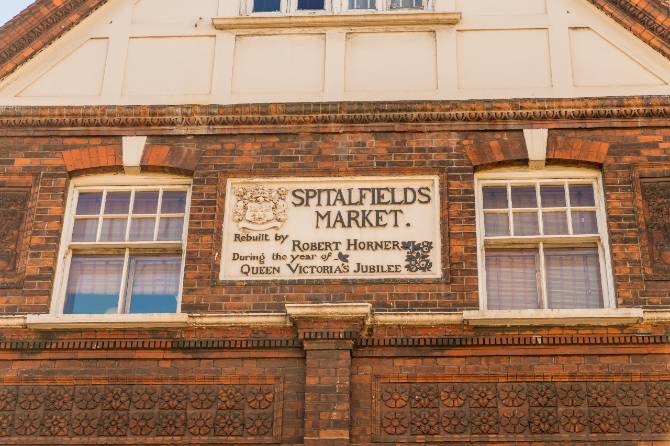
[(287, 7), (550, 175), (290, 7), (387, 6), (68, 248)]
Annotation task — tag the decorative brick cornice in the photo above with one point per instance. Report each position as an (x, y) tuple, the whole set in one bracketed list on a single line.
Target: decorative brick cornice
[(360, 342), (37, 27), (649, 110), (648, 20), (148, 344), (516, 340)]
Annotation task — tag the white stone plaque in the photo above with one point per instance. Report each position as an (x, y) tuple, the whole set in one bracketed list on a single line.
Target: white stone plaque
[(332, 228)]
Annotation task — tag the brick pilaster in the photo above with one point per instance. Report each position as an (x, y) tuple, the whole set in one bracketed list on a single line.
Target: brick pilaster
[(327, 392), (328, 332)]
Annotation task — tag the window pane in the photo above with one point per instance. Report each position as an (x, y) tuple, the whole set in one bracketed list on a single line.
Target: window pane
[(573, 278), (555, 223), (174, 202), (524, 197), (581, 195), (511, 279), (170, 229), (142, 229), (266, 5), (525, 223), (146, 202), (495, 197), (552, 196), (311, 4), (362, 4), (85, 230), (117, 203), (496, 224), (113, 230), (155, 284), (93, 285), (89, 203), (584, 222), (406, 3)]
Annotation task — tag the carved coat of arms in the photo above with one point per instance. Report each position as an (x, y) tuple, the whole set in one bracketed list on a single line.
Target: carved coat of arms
[(259, 208)]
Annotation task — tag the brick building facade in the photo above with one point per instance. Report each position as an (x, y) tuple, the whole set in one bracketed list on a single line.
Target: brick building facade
[(353, 360)]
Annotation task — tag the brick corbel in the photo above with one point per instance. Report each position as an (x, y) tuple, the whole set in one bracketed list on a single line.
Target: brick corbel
[(169, 159), (101, 159), (330, 322)]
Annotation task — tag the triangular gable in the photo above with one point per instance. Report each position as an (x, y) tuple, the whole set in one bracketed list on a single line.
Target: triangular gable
[(168, 52)]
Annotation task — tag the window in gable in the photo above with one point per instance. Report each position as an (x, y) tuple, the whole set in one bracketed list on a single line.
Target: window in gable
[(362, 4), (267, 5), (406, 4), (311, 5)]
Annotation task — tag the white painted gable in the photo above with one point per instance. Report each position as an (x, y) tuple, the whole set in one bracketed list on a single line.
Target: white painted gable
[(168, 52)]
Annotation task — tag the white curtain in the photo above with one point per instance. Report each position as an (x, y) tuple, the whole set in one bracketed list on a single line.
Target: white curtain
[(573, 278), (512, 279)]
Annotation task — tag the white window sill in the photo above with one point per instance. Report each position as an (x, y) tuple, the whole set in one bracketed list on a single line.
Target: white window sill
[(102, 321), (601, 316), (336, 21)]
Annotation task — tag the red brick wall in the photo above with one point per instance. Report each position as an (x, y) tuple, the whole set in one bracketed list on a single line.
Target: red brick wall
[(443, 153), (338, 391)]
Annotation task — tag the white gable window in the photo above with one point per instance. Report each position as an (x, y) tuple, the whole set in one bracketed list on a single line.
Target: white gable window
[(328, 6), (542, 240), (406, 4), (267, 5), (311, 5), (123, 246), (362, 4)]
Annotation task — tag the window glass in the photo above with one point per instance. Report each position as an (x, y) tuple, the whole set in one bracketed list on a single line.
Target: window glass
[(93, 285), (511, 278), (154, 284), (170, 229), (145, 202), (581, 195), (142, 229), (495, 197), (362, 4), (524, 197), (573, 278), (496, 224), (552, 196), (267, 5), (555, 223), (584, 222), (85, 230), (113, 230), (89, 203), (406, 4), (311, 4), (174, 202), (117, 203), (525, 223)]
